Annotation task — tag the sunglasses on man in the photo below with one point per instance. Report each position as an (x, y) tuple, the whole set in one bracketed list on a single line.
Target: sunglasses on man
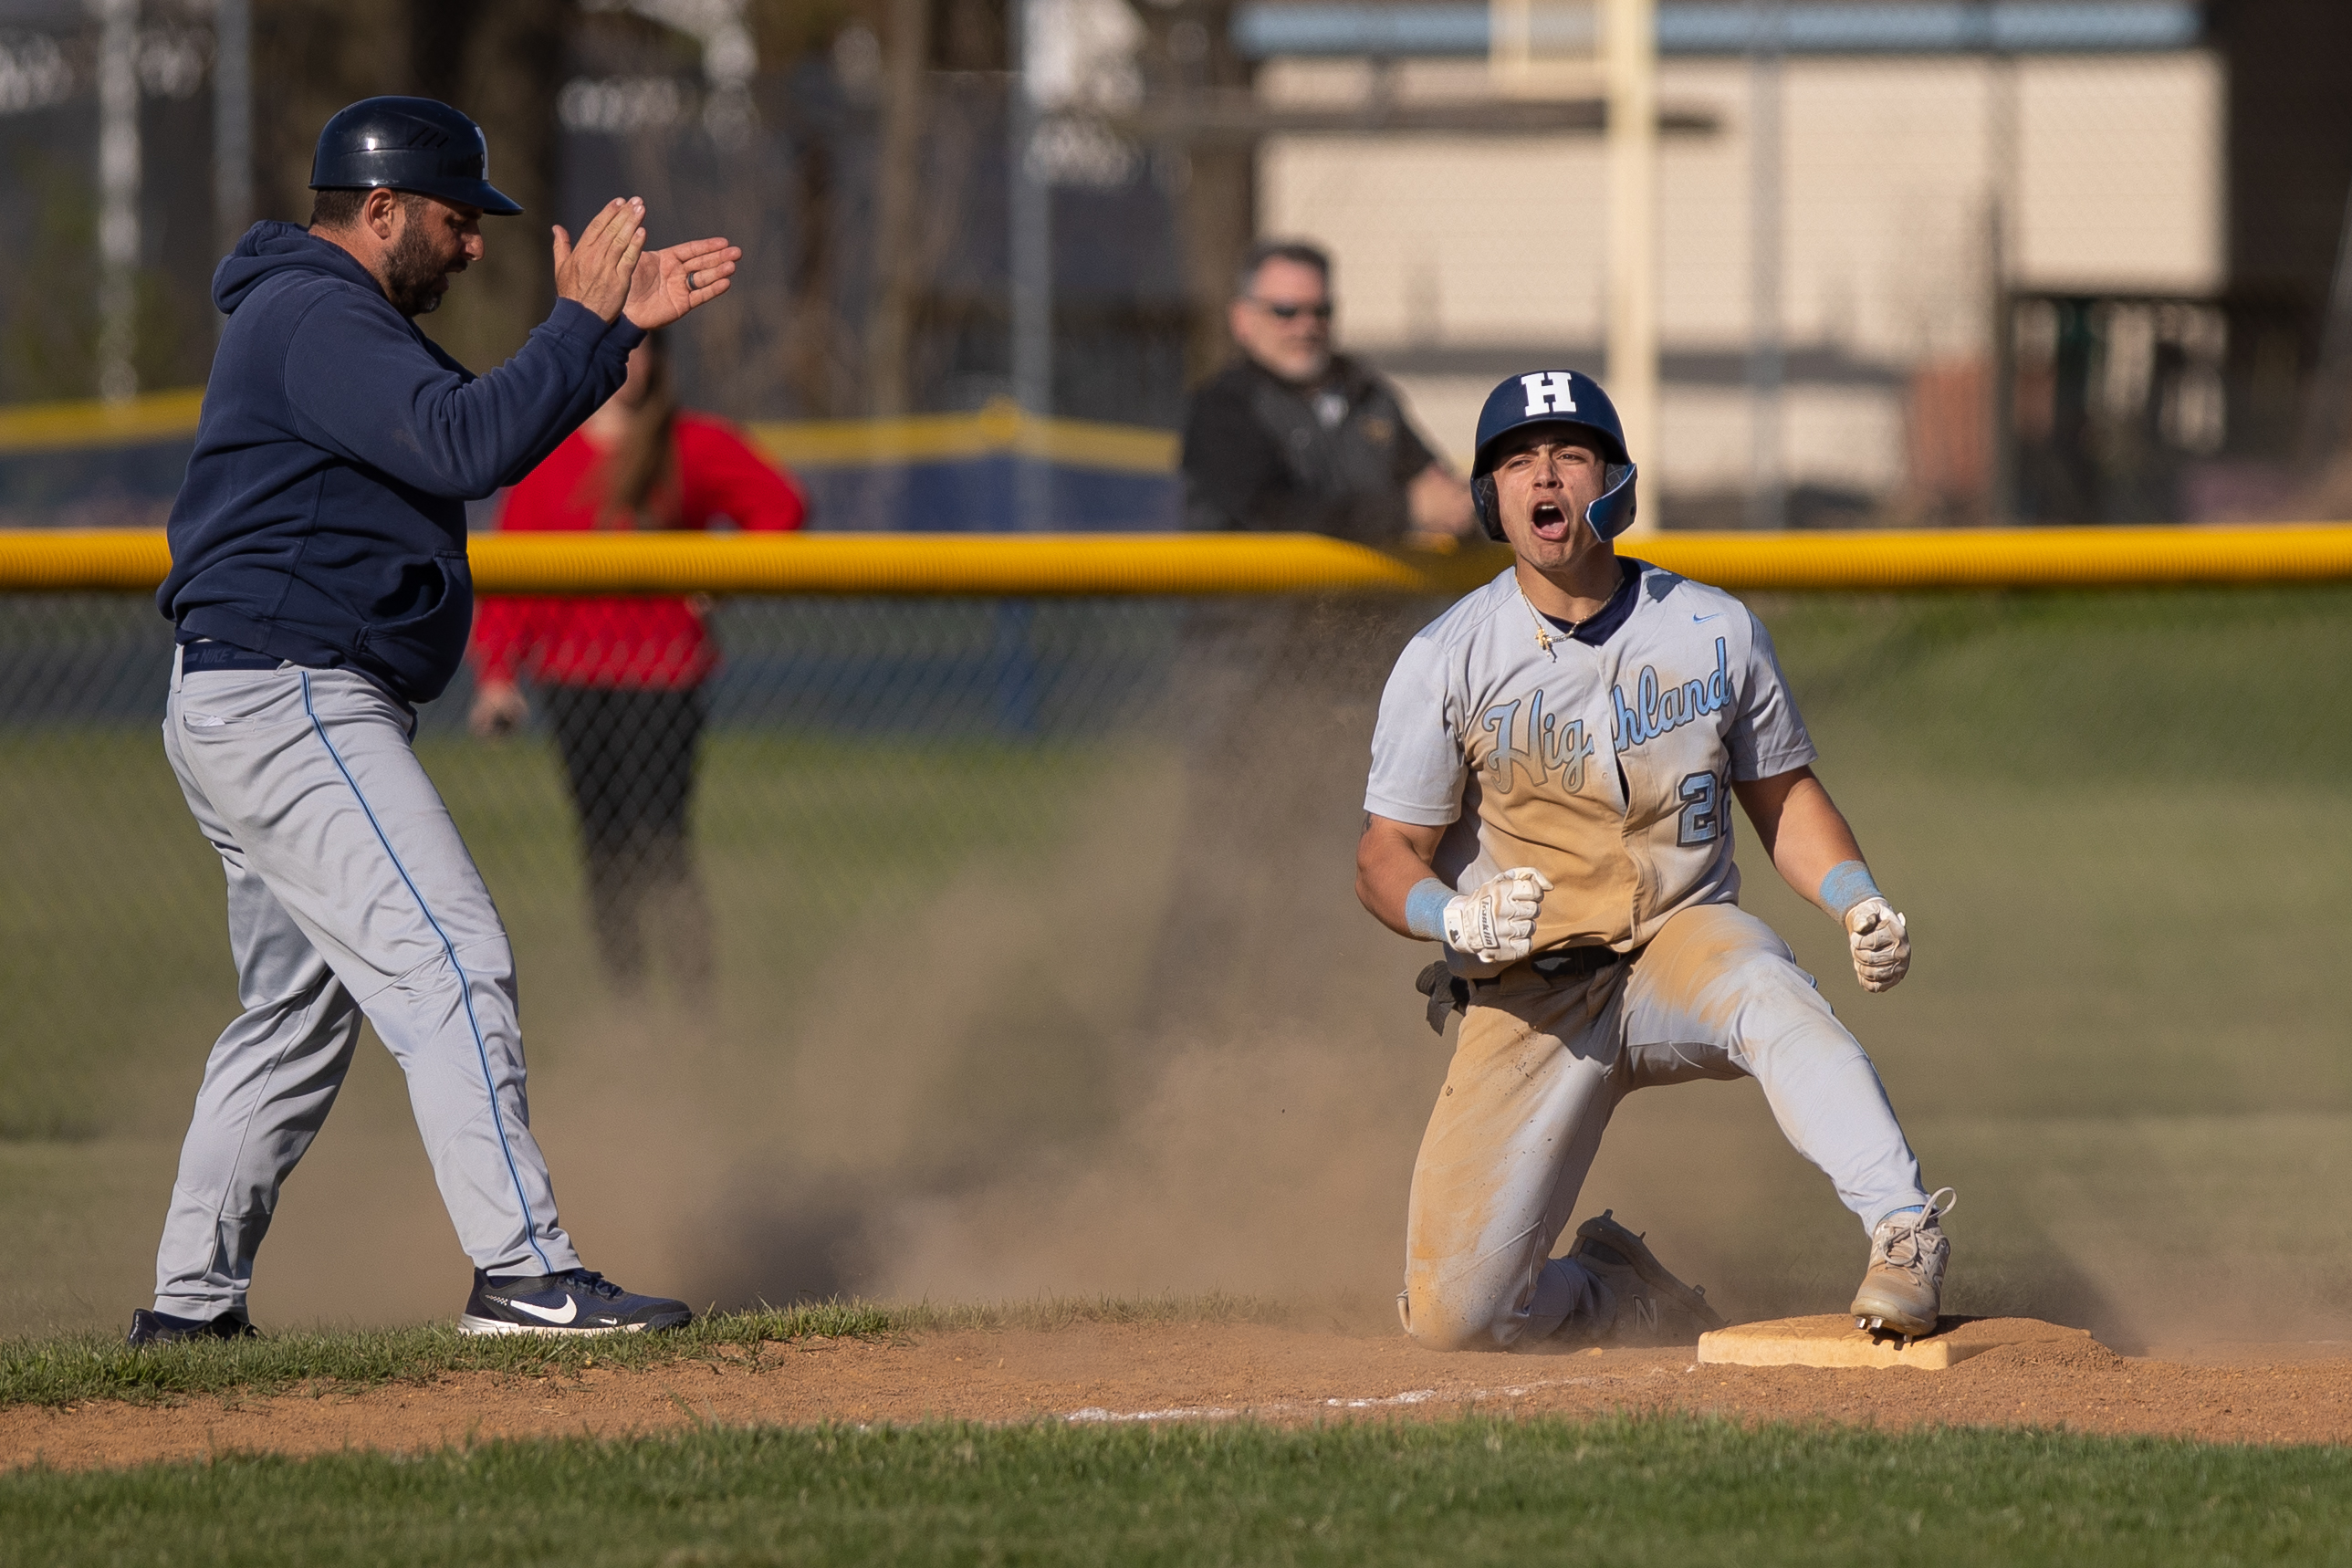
[(1292, 312)]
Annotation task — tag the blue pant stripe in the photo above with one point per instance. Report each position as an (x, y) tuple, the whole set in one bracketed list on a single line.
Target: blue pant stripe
[(465, 987)]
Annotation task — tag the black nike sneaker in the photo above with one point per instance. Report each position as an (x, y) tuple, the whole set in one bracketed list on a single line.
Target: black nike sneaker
[(1654, 1308), (577, 1301), (162, 1329)]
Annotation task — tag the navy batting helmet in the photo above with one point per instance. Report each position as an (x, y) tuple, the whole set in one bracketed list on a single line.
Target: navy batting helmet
[(1555, 397), (409, 144)]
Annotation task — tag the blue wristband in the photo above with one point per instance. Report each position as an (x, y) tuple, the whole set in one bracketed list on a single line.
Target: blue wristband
[(1424, 909), (1847, 884)]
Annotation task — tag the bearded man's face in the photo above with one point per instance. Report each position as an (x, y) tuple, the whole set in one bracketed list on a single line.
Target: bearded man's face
[(435, 243)]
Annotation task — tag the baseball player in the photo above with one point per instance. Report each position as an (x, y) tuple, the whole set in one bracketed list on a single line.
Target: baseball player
[(1550, 797), (319, 586)]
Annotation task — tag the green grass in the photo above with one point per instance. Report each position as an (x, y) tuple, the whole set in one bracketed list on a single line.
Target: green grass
[(1632, 1491), (2189, 689), (75, 1368)]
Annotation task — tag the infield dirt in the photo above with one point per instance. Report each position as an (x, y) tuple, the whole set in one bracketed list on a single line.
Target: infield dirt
[(2244, 1394)]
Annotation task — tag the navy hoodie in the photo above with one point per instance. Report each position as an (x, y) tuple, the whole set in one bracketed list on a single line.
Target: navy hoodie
[(323, 515)]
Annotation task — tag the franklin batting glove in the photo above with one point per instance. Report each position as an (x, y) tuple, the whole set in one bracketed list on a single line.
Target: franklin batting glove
[(1880, 942), (1496, 924)]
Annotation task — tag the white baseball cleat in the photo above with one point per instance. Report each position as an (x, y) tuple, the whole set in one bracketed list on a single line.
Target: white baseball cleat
[(1902, 1292)]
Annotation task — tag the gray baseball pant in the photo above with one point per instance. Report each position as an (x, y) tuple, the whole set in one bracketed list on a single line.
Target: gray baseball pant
[(1540, 1067), (350, 895)]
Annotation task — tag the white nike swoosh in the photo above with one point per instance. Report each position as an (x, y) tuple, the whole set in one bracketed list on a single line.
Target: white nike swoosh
[(548, 1314)]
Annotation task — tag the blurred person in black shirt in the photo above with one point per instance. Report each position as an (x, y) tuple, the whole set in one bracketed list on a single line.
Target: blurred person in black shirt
[(1294, 437), (1273, 696)]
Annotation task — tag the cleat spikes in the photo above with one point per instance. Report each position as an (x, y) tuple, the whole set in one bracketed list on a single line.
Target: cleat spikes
[(1902, 1291)]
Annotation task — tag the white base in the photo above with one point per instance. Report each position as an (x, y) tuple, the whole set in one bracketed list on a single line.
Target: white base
[(1834, 1342)]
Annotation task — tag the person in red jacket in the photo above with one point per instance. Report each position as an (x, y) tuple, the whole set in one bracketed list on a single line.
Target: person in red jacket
[(622, 677)]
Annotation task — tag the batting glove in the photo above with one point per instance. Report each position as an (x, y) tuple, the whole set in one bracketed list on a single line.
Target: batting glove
[(1881, 943), (1496, 924)]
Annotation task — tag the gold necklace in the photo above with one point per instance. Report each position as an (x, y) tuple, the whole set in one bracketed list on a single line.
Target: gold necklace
[(1543, 629)]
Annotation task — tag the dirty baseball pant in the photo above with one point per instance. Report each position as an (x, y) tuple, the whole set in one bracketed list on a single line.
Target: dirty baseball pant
[(350, 894), (1540, 1067)]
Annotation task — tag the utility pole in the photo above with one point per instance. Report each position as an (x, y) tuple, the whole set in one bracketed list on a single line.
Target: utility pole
[(1767, 505), (890, 332), (1630, 59), (118, 198), (1032, 207), (232, 123), (2001, 241)]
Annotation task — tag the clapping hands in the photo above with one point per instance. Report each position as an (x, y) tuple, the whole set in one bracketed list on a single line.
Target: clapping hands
[(610, 272), (669, 283), (599, 270)]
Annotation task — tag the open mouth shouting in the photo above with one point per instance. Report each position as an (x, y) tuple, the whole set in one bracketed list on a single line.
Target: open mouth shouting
[(1550, 521)]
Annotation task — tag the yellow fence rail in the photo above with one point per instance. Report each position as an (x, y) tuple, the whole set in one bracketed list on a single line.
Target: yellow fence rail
[(129, 561), (93, 426), (1001, 429)]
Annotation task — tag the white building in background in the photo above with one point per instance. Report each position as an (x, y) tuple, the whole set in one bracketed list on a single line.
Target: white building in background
[(1462, 259)]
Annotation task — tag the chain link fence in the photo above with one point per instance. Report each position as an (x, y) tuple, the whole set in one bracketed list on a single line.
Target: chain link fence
[(1006, 945), (1034, 962)]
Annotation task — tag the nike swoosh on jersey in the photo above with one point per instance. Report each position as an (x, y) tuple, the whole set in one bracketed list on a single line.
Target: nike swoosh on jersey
[(1716, 616), (548, 1314)]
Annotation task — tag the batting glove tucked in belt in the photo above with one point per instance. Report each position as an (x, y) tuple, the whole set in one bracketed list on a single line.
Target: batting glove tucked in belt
[(1881, 943), (1496, 924)]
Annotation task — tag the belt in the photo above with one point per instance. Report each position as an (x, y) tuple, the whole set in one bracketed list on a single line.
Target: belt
[(1575, 963), (1451, 993), (206, 654)]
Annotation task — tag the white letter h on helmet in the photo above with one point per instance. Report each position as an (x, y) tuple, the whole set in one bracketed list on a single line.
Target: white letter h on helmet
[(1550, 392)]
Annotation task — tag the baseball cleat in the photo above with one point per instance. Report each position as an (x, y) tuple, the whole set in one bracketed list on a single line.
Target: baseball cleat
[(162, 1329), (1903, 1290), (576, 1301), (1654, 1308)]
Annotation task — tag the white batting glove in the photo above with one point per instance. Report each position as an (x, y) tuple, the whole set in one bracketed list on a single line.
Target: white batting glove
[(1496, 924), (1880, 942)]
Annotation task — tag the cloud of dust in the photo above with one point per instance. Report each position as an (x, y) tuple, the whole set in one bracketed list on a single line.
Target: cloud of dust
[(1174, 1055), (996, 1120), (971, 1104)]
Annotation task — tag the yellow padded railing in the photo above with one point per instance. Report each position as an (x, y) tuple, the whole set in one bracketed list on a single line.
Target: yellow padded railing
[(126, 561), (1001, 429), (94, 426)]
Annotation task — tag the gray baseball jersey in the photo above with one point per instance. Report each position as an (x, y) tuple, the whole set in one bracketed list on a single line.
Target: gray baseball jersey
[(1604, 764), (1604, 760)]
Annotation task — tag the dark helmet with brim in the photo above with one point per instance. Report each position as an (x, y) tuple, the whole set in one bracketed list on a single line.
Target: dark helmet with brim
[(1555, 397), (415, 144)]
